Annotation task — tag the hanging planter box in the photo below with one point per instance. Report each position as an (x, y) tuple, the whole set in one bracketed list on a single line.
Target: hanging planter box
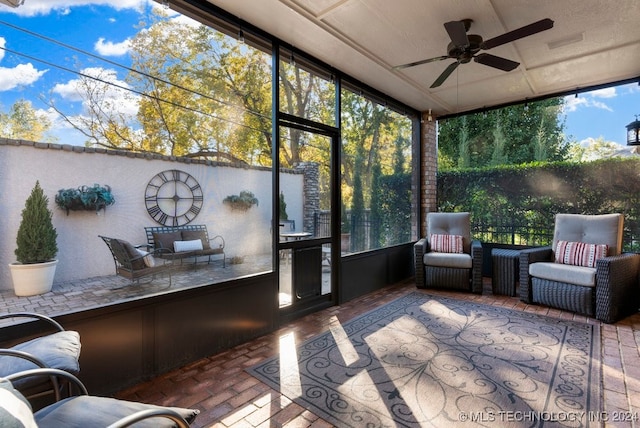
[(85, 198), (241, 202)]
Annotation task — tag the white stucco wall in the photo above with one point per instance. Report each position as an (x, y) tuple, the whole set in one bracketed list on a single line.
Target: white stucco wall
[(82, 254)]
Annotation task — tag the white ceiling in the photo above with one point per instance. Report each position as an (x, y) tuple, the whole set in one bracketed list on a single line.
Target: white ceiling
[(593, 42)]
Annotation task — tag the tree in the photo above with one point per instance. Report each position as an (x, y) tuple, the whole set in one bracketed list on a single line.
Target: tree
[(512, 135), (23, 122)]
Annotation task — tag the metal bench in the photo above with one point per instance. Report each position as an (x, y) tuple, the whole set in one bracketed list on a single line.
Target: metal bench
[(164, 237)]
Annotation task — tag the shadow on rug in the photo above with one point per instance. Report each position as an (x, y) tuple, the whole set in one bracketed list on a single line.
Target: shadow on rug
[(431, 361)]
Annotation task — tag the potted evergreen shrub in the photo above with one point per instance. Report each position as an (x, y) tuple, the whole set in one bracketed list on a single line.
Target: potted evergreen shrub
[(36, 247)]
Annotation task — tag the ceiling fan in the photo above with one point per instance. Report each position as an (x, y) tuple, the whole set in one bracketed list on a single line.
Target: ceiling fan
[(464, 47)]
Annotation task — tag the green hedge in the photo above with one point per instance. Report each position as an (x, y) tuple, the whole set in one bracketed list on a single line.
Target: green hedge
[(532, 194)]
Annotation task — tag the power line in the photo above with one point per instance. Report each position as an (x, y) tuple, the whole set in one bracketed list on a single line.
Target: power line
[(116, 64), (143, 94)]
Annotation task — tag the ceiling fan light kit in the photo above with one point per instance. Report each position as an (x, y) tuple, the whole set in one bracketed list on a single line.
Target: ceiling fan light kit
[(465, 47)]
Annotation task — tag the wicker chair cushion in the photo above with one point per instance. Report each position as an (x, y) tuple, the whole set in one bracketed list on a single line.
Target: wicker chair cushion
[(591, 229), (577, 275), (579, 253), (441, 243), (451, 224), (451, 260)]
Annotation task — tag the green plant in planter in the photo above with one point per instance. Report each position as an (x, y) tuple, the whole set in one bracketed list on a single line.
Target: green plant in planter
[(86, 198), (243, 201), (36, 240), (283, 208)]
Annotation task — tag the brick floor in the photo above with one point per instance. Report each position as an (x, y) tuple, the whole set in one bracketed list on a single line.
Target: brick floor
[(229, 397)]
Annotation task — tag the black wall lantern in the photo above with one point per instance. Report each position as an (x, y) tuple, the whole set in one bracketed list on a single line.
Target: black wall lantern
[(633, 133)]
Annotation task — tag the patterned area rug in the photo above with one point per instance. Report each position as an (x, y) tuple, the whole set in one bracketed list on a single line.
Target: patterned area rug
[(425, 361)]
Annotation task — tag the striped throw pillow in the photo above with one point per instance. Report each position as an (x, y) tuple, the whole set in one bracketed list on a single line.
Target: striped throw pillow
[(580, 253), (441, 243)]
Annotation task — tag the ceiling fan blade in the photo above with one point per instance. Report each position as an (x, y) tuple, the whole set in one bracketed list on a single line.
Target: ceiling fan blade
[(496, 61), (424, 61), (457, 32), (527, 30), (446, 73)]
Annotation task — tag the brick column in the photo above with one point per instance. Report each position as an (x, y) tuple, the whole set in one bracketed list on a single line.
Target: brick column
[(428, 170)]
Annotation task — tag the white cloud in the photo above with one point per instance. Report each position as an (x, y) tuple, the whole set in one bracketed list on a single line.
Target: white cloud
[(44, 7), (589, 99), (112, 49), (603, 93), (20, 75)]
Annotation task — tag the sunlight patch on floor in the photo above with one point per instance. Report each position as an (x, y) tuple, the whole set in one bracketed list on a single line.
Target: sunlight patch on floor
[(289, 371)]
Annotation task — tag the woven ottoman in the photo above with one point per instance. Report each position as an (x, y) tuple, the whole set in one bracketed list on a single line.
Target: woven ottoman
[(505, 271)]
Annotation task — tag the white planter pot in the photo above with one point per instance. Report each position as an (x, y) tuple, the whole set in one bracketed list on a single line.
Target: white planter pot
[(32, 279)]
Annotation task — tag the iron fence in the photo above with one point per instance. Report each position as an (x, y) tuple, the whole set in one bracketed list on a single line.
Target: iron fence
[(503, 232)]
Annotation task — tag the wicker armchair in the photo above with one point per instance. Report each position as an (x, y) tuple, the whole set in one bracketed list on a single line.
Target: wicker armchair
[(607, 291), (449, 269)]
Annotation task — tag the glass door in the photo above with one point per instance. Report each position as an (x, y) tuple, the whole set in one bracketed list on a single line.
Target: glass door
[(305, 241)]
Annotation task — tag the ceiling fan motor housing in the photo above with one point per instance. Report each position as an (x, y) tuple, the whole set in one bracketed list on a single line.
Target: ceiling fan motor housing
[(464, 54)]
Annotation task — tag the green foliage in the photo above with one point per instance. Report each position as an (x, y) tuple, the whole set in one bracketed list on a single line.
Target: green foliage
[(283, 208), (243, 201), (23, 122), (533, 193), (512, 135), (36, 239), (86, 198)]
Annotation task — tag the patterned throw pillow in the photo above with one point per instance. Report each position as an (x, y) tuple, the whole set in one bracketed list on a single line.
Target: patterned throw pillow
[(580, 253), (446, 243)]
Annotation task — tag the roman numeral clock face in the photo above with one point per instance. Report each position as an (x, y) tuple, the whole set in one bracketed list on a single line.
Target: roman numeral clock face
[(173, 198)]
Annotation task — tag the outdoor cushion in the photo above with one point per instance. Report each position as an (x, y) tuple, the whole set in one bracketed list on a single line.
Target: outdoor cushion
[(149, 261), (15, 410), (451, 260), (443, 243), (190, 235), (60, 350), (194, 245), (451, 224), (570, 274), (579, 253), (91, 411), (132, 252), (166, 239), (591, 229)]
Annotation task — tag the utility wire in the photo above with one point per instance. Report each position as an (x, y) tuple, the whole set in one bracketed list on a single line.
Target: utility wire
[(116, 64), (143, 94)]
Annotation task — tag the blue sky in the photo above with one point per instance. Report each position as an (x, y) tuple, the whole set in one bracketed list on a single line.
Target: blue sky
[(103, 27)]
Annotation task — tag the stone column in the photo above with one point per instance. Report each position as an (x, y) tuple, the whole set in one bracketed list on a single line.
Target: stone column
[(311, 191)]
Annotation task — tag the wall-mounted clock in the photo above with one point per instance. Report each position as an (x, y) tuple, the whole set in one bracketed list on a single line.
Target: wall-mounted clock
[(173, 197)]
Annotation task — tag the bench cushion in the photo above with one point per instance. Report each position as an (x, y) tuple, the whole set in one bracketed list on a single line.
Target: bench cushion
[(193, 245), (166, 239), (190, 235)]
